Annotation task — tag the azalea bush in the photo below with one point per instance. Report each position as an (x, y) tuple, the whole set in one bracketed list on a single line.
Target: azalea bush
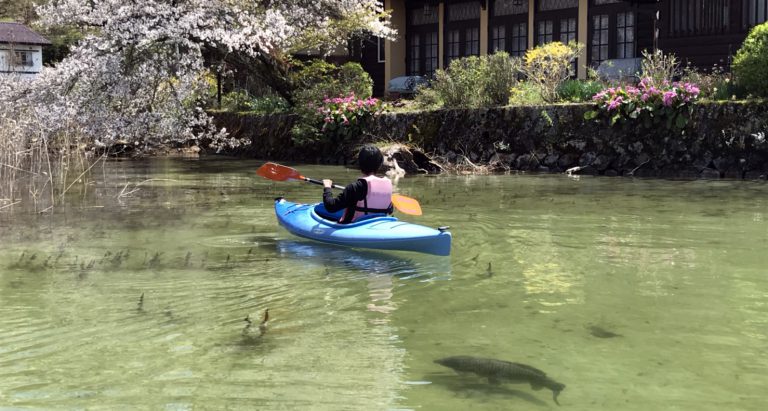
[(650, 104), (344, 117)]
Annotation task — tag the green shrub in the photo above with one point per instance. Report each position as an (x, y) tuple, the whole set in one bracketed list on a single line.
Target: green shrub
[(237, 100), (525, 93), (428, 98), (550, 65), (576, 91), (500, 75), (318, 79), (269, 104), (750, 66), (472, 82)]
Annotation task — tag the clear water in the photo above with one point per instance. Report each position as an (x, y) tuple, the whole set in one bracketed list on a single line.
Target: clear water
[(636, 294)]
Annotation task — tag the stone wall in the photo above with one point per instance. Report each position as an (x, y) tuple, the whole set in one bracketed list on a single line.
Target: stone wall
[(724, 140)]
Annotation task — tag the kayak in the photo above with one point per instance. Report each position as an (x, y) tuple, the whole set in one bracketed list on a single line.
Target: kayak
[(380, 232)]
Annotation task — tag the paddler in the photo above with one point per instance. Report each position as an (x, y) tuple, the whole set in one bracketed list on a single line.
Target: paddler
[(368, 195)]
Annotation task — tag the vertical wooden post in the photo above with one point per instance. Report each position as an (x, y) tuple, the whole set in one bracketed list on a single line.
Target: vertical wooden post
[(484, 30), (441, 35), (582, 37), (531, 31), (394, 51)]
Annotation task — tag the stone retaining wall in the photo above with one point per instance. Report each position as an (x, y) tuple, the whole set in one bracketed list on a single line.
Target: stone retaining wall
[(725, 140)]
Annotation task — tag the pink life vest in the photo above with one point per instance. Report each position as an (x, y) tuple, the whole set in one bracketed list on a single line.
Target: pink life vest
[(378, 200)]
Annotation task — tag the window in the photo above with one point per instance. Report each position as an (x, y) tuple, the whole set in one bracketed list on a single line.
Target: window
[(453, 46), (519, 39), (625, 35), (23, 59), (568, 30), (431, 53), (380, 50), (472, 42), (599, 38), (545, 32), (498, 38), (415, 55)]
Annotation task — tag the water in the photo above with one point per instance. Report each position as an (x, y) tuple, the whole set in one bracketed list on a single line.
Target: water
[(636, 294)]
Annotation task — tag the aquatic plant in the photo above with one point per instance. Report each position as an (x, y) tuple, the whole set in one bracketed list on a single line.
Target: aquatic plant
[(649, 104)]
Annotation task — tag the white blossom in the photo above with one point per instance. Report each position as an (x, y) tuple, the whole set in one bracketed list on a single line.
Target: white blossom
[(139, 74)]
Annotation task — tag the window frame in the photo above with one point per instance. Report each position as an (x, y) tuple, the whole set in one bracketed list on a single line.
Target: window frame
[(19, 61), (612, 10), (509, 22), (462, 26), (422, 32), (556, 16)]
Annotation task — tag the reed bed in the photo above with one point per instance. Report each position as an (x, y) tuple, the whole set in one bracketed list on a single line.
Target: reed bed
[(36, 171)]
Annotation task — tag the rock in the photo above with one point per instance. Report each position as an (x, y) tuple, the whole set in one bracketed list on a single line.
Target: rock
[(400, 159), (527, 162), (567, 160), (587, 159), (611, 173), (709, 173), (551, 159), (601, 162)]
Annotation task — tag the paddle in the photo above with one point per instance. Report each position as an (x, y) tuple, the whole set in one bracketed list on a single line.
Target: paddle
[(280, 172)]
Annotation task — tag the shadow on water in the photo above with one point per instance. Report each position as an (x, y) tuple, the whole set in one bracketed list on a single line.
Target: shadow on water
[(368, 262), (470, 387)]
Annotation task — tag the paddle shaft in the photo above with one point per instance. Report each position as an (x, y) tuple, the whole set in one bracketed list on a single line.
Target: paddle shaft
[(318, 182)]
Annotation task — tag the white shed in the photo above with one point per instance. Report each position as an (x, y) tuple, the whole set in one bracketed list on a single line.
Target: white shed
[(21, 50)]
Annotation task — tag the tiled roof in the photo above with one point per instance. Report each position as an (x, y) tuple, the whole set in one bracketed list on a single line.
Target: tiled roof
[(18, 33)]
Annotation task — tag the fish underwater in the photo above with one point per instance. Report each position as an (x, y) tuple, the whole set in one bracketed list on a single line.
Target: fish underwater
[(498, 371)]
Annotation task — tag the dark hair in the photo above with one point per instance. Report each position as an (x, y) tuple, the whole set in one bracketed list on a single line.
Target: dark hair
[(370, 159)]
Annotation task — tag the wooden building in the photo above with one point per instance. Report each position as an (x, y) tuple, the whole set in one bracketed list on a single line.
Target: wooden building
[(433, 32), (21, 50)]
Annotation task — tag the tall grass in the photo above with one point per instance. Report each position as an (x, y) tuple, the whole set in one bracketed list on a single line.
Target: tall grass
[(36, 172)]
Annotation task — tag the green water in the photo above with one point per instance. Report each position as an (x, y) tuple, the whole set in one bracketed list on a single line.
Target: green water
[(636, 294)]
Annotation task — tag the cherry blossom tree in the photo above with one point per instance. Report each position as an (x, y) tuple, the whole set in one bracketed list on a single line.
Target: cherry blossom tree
[(140, 73)]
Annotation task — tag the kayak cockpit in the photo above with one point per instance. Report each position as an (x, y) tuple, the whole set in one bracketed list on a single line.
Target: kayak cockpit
[(320, 214)]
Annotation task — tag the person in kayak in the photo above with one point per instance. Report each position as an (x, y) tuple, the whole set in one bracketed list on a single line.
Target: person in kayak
[(368, 195)]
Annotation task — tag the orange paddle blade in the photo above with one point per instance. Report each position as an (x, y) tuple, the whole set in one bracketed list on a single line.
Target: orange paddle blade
[(406, 205), (279, 172)]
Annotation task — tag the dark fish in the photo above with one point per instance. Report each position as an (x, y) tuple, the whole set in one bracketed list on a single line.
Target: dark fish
[(498, 370), (601, 332)]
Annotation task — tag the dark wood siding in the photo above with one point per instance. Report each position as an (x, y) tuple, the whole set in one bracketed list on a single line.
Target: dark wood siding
[(369, 59), (703, 32)]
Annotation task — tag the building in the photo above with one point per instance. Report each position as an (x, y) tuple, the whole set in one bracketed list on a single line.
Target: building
[(433, 32), (21, 50)]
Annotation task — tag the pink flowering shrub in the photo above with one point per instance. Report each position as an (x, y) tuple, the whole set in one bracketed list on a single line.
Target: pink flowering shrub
[(344, 116), (647, 103)]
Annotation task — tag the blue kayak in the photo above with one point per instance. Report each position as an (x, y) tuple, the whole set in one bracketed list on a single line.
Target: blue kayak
[(381, 232)]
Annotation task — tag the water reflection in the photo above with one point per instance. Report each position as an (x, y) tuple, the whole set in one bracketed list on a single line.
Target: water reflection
[(366, 263)]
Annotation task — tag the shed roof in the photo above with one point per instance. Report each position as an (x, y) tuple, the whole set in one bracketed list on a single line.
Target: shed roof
[(18, 33)]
